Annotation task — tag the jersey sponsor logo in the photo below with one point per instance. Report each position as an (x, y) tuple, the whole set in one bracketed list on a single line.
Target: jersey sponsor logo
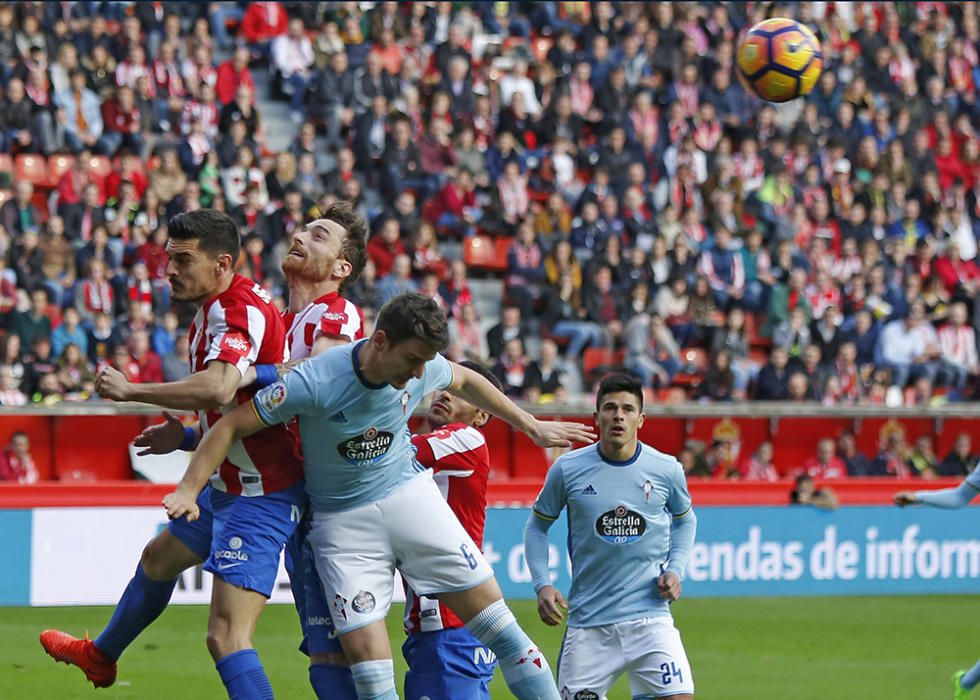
[(369, 447), (363, 602), (318, 621), (585, 695), (236, 342), (620, 525), (230, 554), (589, 491), (261, 293), (338, 417), (272, 396), (335, 316)]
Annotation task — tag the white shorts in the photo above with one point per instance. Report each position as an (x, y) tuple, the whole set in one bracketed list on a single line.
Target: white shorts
[(649, 650), (412, 529)]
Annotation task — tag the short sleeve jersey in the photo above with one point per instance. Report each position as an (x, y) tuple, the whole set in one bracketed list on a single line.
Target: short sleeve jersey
[(331, 315), (619, 518), (355, 440), (242, 327)]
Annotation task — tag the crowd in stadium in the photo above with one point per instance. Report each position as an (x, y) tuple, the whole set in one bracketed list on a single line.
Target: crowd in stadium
[(652, 213)]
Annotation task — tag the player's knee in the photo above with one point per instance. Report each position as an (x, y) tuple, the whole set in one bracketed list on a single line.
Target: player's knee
[(161, 561), (224, 639), (332, 658)]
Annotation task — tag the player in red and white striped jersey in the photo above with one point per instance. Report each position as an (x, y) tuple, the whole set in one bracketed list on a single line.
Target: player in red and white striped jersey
[(457, 453), (257, 493)]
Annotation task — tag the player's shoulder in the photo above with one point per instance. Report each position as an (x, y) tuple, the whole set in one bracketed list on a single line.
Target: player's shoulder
[(655, 459), (243, 293), (579, 458), (460, 436)]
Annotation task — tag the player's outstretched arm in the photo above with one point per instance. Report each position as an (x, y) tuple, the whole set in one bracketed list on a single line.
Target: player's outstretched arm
[(551, 603), (949, 499), (212, 451), (470, 386), (209, 389)]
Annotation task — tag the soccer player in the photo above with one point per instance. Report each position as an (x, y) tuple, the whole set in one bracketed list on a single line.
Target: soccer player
[(374, 506), (958, 497), (630, 532), (445, 660), (254, 500), (324, 258)]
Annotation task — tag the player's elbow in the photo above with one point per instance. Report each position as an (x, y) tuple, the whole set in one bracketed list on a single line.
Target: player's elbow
[(218, 393)]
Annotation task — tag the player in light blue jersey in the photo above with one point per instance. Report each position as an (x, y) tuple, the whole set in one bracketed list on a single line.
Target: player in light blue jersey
[(375, 508), (630, 532), (958, 497)]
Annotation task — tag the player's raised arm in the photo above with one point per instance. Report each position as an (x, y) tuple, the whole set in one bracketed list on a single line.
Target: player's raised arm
[(948, 499), (210, 453), (470, 386), (209, 389)]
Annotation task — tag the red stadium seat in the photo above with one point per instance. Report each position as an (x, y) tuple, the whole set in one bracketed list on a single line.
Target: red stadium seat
[(482, 253), (58, 165), (31, 168), (100, 165), (695, 363), (594, 360)]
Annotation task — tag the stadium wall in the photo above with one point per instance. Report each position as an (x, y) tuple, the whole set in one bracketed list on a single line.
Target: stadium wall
[(85, 556)]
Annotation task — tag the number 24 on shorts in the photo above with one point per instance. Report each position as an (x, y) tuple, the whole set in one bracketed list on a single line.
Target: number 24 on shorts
[(670, 672)]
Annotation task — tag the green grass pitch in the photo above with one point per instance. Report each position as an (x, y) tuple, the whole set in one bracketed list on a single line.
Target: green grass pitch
[(794, 648)]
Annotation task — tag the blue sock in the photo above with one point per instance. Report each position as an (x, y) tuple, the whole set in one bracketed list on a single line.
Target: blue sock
[(375, 680), (971, 677), (244, 677), (524, 667), (332, 682), (141, 603)]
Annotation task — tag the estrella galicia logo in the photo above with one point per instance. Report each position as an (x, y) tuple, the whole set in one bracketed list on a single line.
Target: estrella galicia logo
[(620, 525), (363, 603), (370, 446), (586, 695)]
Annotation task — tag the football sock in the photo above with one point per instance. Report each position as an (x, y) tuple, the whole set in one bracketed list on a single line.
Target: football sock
[(141, 603), (524, 667), (332, 682), (244, 677), (971, 677), (375, 680)]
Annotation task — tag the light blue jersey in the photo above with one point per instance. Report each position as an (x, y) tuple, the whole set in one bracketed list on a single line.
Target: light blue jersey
[(356, 445), (619, 530)]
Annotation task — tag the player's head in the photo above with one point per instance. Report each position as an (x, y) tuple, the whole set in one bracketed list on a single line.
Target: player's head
[(446, 408), (203, 249), (619, 410), (409, 331), (331, 247)]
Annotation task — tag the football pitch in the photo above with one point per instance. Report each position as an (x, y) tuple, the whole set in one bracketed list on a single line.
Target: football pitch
[(794, 648)]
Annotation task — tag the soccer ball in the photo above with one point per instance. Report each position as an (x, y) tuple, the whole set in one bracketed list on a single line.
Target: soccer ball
[(779, 59)]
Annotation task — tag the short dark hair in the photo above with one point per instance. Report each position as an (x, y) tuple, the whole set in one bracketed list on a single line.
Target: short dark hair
[(412, 315), (616, 383), (354, 247), (214, 230), (484, 372)]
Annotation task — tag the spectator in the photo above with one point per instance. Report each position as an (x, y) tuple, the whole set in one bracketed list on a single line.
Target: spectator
[(798, 387), (69, 332), (773, 379), (961, 460), (857, 464), (892, 458), (653, 354), (398, 280), (958, 345), (235, 84), (16, 462), (719, 383), (909, 347), (10, 392), (455, 209), (512, 368), (149, 365), (525, 269), (74, 374), (806, 493), (82, 115), (292, 57), (34, 323), (922, 459), (385, 246), (544, 383), (19, 215), (760, 467), (825, 464), (38, 364), (511, 326)]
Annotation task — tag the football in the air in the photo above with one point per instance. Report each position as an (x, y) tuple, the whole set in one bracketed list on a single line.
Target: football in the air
[(779, 59)]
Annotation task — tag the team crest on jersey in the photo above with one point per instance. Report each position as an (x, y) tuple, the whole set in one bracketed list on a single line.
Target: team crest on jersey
[(370, 446), (406, 397), (647, 490), (363, 602), (236, 342), (620, 525), (272, 396)]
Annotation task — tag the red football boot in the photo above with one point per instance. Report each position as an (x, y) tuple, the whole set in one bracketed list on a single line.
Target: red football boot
[(96, 666)]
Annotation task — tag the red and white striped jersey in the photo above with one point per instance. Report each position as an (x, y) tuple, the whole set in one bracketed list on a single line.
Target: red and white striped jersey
[(331, 315), (242, 327), (460, 460)]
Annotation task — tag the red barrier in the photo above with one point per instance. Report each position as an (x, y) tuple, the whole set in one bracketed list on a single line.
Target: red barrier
[(511, 492)]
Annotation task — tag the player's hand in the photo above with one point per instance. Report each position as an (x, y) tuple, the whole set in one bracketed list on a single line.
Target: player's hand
[(904, 498), (181, 503), (112, 384), (162, 438), (560, 433), (551, 606), (284, 368), (669, 586)]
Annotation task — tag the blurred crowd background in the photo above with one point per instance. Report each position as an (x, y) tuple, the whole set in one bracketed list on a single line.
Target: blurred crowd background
[(581, 186)]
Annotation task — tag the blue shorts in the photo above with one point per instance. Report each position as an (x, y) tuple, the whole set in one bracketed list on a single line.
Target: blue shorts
[(196, 535), (311, 603), (447, 665), (249, 533)]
